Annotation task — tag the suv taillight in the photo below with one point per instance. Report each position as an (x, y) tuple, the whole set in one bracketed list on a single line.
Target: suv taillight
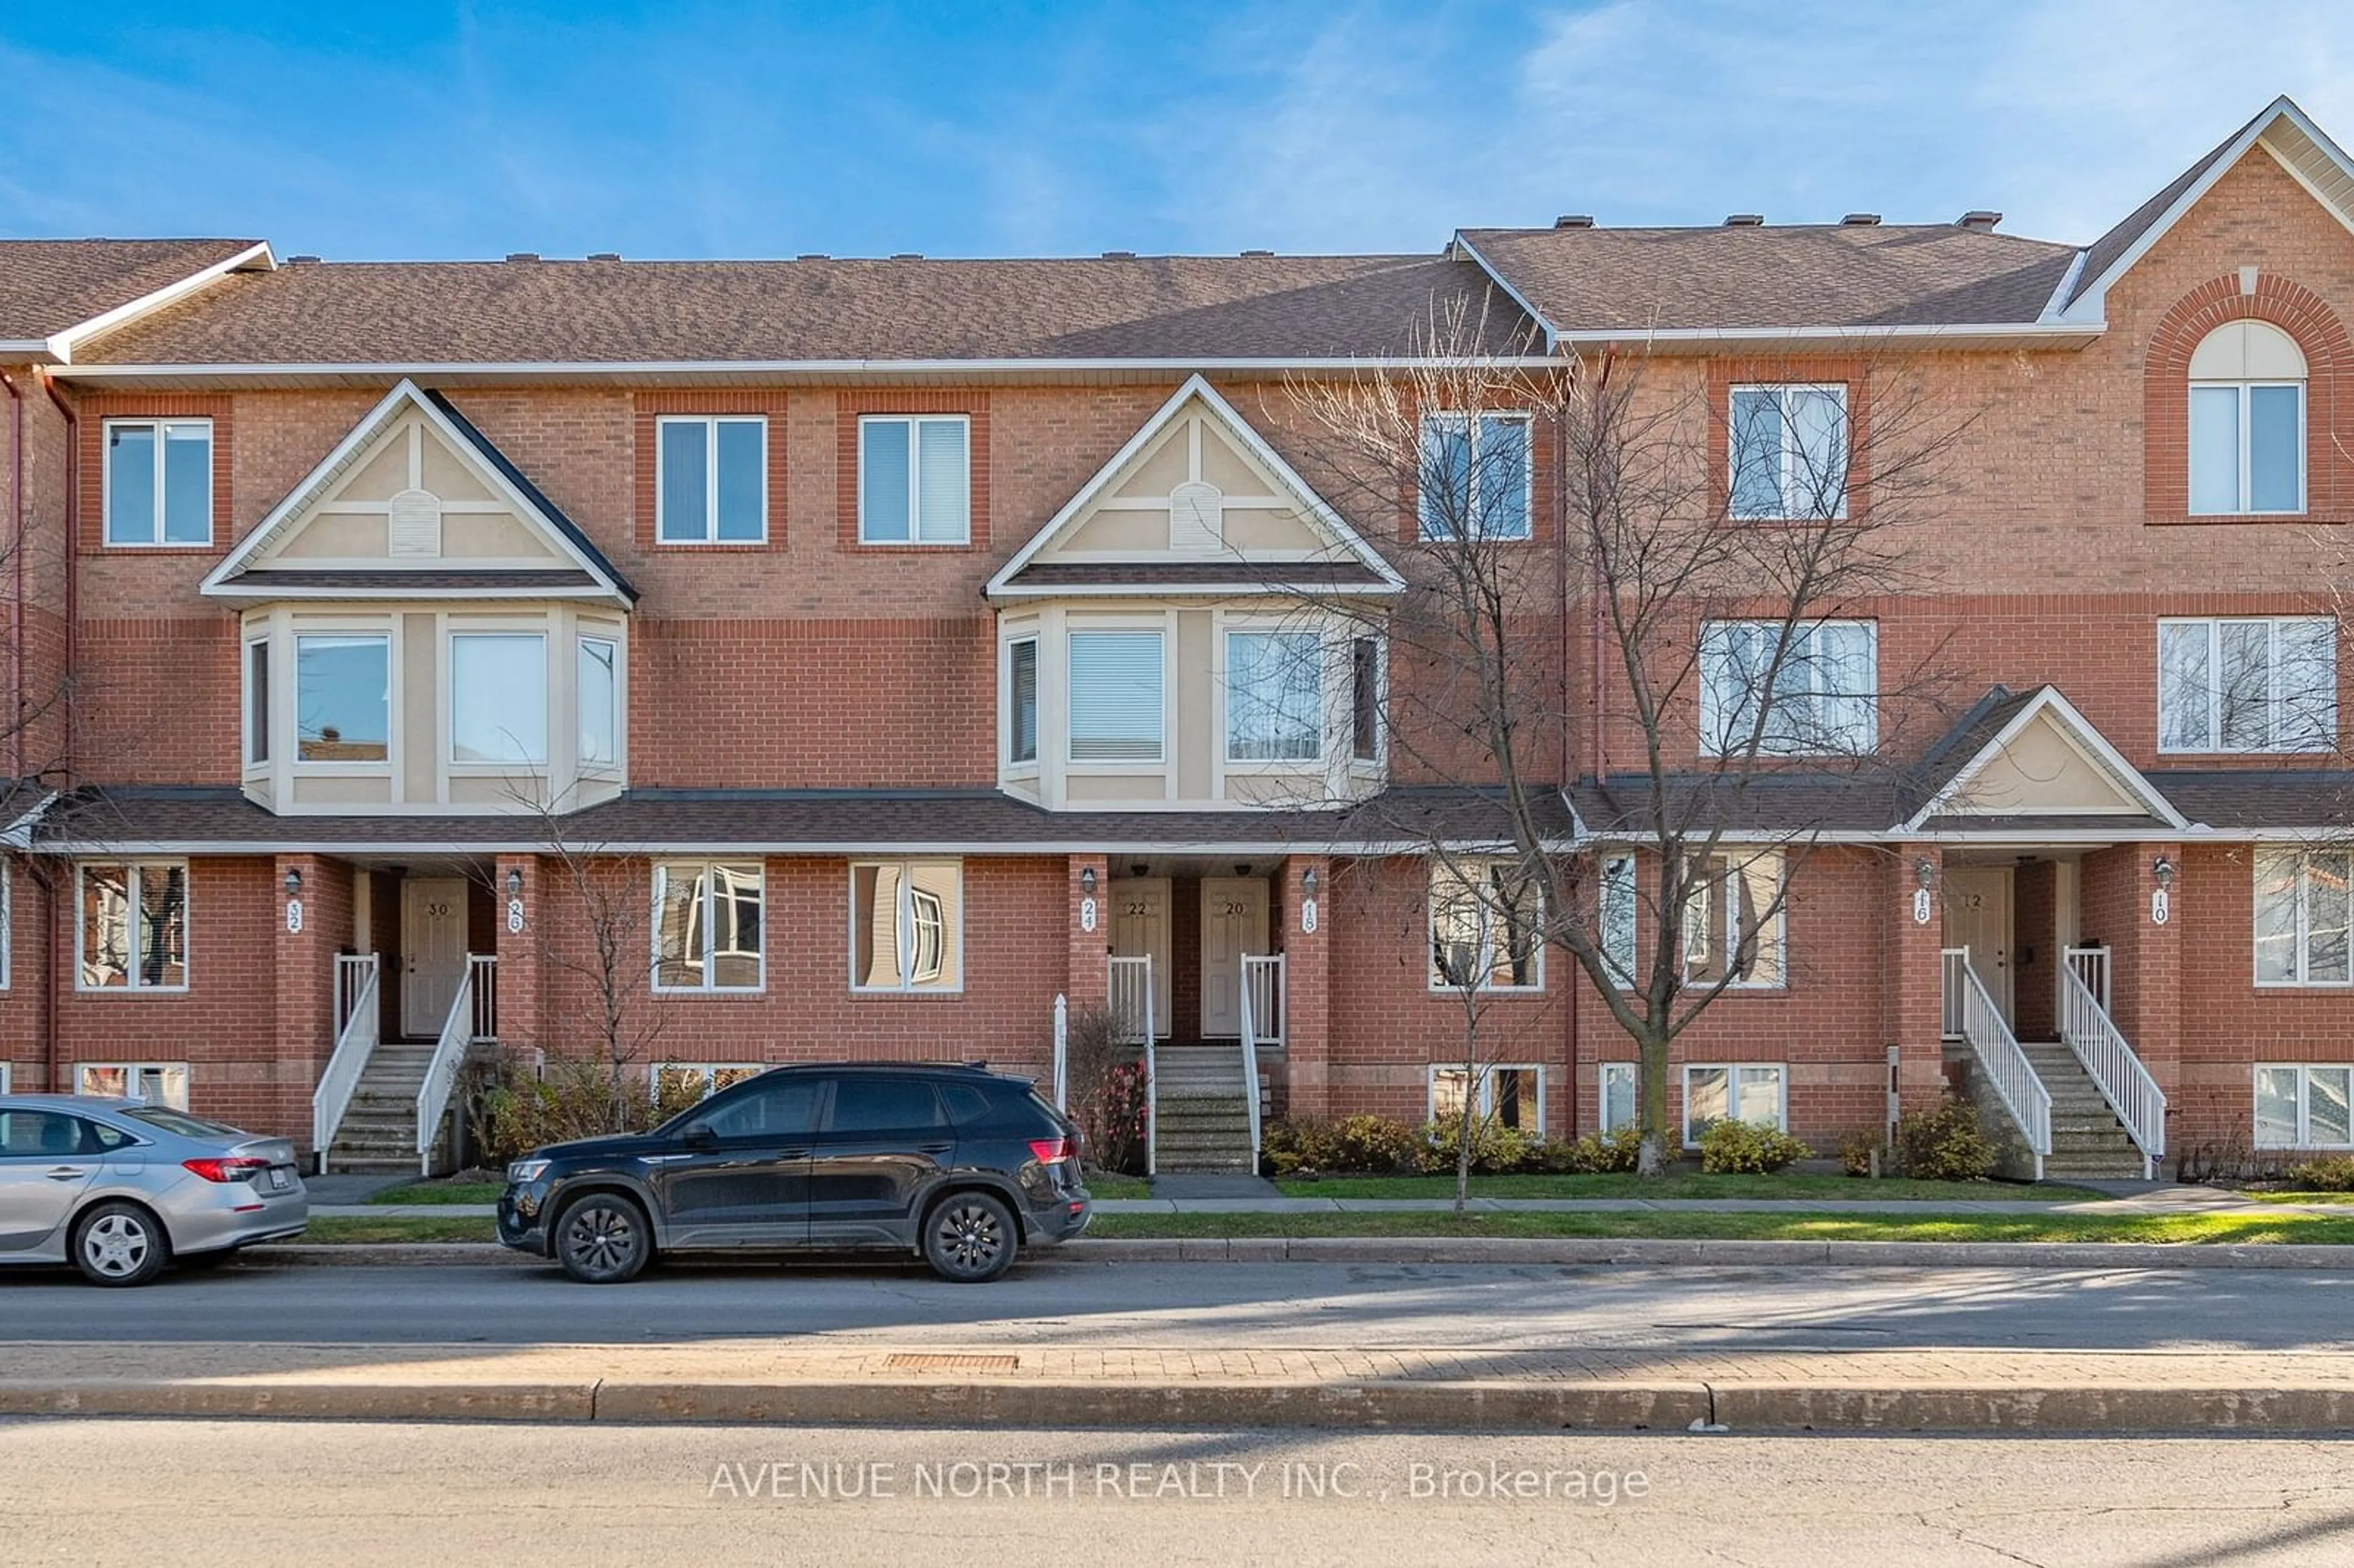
[(227, 1170), (1046, 1151)]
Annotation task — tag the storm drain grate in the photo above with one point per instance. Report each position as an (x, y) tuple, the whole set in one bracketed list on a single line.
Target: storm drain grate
[(913, 1363)]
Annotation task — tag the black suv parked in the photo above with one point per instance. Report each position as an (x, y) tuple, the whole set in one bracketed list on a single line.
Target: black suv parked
[(959, 1165)]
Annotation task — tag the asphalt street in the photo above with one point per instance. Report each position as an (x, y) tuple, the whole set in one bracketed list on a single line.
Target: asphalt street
[(161, 1494), (1287, 1304)]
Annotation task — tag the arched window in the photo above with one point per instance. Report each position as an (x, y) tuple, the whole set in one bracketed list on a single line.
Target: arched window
[(2247, 421)]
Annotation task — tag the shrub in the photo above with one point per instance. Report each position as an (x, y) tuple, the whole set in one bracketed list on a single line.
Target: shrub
[(1594, 1154), (1496, 1149), (1104, 1092), (2335, 1174), (1730, 1148), (1856, 1150), (1366, 1145), (514, 1104), (1944, 1145)]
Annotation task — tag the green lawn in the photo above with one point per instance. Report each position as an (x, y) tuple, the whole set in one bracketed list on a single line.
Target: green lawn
[(2260, 1195), (1677, 1184), (336, 1229), (2184, 1228), (443, 1192), (1104, 1184)]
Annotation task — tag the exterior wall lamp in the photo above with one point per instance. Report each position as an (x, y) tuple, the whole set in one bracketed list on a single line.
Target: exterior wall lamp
[(515, 900), (1307, 900), (2162, 869), (1924, 872), (1087, 881), (294, 882), (1087, 898), (2162, 898), (293, 899), (1307, 882), (514, 882)]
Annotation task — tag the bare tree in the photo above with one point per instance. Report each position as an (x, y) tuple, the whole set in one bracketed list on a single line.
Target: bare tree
[(1718, 557)]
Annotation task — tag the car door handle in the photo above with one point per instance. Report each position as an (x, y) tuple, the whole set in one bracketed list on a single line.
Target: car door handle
[(934, 1147), (792, 1154), (69, 1173)]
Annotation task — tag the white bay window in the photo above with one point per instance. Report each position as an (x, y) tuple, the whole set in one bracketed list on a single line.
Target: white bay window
[(1275, 696), (498, 697), (1118, 697)]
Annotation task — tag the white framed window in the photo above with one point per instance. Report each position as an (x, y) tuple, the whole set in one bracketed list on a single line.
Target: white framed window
[(709, 926), (159, 482), (2265, 683), (1753, 1091), (1118, 696), (915, 482), (1487, 928), (677, 1082), (711, 479), (1021, 701), (906, 925), (1788, 451), (1275, 696), (151, 1082), (2247, 421), (1510, 1096), (1366, 695), (1820, 699), (257, 702), (2302, 1104), (1616, 912), (1475, 476), (1619, 1089), (133, 925), (599, 696), (2302, 916), (498, 696), (1734, 922), (343, 697)]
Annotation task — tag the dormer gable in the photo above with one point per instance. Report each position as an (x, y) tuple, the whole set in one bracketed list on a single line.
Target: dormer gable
[(414, 502), (1195, 503), (2036, 755)]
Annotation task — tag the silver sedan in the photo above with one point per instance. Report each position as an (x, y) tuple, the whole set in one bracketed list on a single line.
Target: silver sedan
[(119, 1188)]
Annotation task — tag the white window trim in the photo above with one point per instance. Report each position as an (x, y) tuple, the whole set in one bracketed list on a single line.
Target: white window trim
[(1487, 1075), (710, 423), (709, 1071), (2247, 475), (389, 630), (2275, 625), (253, 724), (1487, 934), (132, 1070), (2304, 930), (915, 479), (904, 927), (1731, 930), (106, 485), (1229, 628), (707, 985), (607, 768), (465, 767), (1381, 756), (1164, 627), (133, 987), (1805, 644), (1782, 391), (1621, 880), (2303, 1103), (7, 936), (1604, 1071), (1732, 1071), (1472, 421), (1013, 638)]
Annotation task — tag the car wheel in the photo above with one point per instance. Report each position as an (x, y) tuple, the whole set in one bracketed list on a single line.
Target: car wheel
[(969, 1238), (118, 1243), (604, 1239)]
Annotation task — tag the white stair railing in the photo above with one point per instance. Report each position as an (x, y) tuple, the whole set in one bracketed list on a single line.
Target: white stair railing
[(483, 976), (1955, 963), (1250, 1061), (1263, 987), (2006, 1066), (441, 1072), (1062, 1051), (2108, 1060), (1131, 991), (357, 1032)]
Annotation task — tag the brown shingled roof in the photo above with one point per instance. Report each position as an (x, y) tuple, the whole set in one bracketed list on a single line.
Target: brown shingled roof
[(1179, 307), (1635, 280), (49, 285)]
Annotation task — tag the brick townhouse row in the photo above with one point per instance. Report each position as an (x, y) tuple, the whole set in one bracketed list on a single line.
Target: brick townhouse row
[(902, 647)]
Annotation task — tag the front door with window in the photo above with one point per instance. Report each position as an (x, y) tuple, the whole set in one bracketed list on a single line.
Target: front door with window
[(1234, 923), (1978, 916), (1139, 925), (433, 950)]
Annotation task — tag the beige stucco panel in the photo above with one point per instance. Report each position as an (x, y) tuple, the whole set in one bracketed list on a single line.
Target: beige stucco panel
[(1197, 706), (335, 537), (1114, 787), (493, 536), (2041, 770), (421, 731)]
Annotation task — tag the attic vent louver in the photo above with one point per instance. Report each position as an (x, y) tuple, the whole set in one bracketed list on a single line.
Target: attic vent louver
[(302, 260), (812, 256), (523, 255), (604, 256), (907, 256), (1861, 220), (1258, 253), (1745, 220), (1978, 220), (1120, 255), (1573, 220)]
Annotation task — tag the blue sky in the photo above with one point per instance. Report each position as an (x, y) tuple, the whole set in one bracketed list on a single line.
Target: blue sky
[(477, 127)]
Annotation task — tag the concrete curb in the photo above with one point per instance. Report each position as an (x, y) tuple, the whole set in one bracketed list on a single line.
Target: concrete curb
[(1523, 1250), (1479, 1406)]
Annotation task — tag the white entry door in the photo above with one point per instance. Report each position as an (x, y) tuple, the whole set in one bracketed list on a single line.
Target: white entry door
[(432, 951), (1139, 925), (1234, 922), (1978, 916)]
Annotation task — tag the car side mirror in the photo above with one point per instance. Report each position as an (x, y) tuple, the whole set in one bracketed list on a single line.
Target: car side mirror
[(698, 1135)]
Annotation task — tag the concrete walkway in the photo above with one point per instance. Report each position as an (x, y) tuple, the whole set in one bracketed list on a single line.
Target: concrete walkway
[(805, 1381)]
